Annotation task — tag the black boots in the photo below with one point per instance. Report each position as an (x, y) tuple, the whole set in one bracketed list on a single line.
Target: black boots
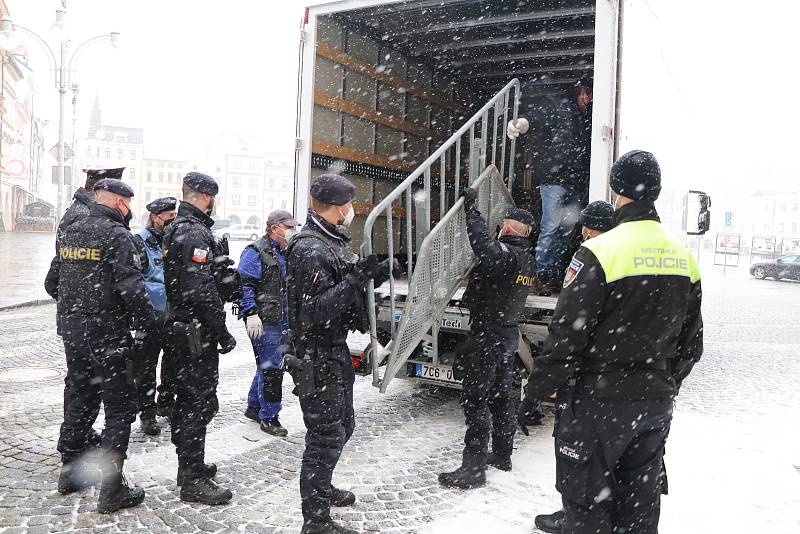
[(328, 526), (464, 478), (149, 426), (273, 427), (75, 476), (499, 461), (115, 493), (252, 413), (197, 486), (206, 471), (340, 497), (552, 523)]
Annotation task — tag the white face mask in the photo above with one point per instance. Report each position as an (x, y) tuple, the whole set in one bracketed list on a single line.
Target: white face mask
[(348, 218), (289, 233)]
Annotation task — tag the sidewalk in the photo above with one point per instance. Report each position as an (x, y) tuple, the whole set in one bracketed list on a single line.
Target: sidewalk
[(24, 260)]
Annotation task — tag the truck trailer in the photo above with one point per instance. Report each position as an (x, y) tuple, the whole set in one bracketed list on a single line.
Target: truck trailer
[(410, 101)]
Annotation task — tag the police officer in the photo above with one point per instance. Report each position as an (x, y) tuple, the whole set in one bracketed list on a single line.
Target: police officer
[(264, 309), (495, 297), (196, 316), (84, 197), (100, 292), (77, 211), (147, 347), (596, 219), (326, 301), (625, 333)]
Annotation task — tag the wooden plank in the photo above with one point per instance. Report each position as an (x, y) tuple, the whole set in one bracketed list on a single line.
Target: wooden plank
[(365, 68), (360, 156), (324, 99)]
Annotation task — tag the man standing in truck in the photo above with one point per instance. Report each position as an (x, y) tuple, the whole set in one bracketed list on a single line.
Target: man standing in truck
[(626, 332), (495, 297), (561, 146)]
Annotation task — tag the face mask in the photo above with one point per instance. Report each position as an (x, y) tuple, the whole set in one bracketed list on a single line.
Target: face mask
[(289, 233), (127, 217), (348, 219)]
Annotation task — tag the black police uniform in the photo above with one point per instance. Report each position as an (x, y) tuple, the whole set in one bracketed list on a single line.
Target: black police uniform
[(101, 295), (326, 294), (626, 331), (196, 317), (495, 296)]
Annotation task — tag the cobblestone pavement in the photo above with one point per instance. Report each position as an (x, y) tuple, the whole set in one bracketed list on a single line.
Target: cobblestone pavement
[(744, 388)]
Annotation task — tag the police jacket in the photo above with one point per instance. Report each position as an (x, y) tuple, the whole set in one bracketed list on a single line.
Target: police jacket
[(627, 324), (192, 292), (263, 270), (96, 275), (326, 299), (152, 264), (78, 210), (560, 142), (501, 281)]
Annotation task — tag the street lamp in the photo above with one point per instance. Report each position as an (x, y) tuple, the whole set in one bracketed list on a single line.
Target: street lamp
[(63, 66)]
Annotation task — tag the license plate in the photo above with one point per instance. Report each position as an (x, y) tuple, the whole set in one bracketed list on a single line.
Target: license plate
[(435, 372)]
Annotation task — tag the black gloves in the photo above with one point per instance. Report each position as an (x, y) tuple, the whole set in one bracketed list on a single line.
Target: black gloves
[(367, 268), (528, 414), (226, 343), (385, 267), (470, 197)]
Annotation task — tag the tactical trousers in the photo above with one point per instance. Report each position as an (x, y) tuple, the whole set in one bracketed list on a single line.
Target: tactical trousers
[(609, 463), (196, 379), (266, 388), (329, 419), (98, 370), (145, 363), (486, 395)]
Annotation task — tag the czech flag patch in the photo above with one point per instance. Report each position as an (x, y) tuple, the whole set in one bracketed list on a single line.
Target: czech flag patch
[(574, 268), (199, 255)]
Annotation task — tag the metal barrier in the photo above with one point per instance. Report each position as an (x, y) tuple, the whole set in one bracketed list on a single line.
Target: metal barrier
[(445, 258), (411, 202)]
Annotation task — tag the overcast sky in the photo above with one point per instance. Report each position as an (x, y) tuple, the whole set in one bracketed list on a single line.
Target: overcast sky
[(707, 86)]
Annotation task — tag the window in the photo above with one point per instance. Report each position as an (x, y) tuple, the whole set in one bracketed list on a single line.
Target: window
[(283, 204), (781, 227), (97, 152), (169, 177), (794, 228), (133, 154), (271, 182), (252, 181), (783, 207), (795, 207), (132, 174), (236, 200), (251, 200), (270, 203), (285, 184), (149, 176), (171, 166), (89, 154), (254, 164), (237, 164), (148, 196), (161, 176), (119, 153), (236, 181), (108, 153)]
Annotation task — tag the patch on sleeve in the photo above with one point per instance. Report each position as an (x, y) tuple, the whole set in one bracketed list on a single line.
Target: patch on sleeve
[(200, 255), (504, 247), (575, 267)]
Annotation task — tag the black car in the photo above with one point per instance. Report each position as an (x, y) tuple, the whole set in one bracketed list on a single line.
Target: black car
[(786, 267)]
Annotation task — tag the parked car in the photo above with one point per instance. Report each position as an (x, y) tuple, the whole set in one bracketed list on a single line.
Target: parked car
[(239, 231), (219, 224), (786, 267)]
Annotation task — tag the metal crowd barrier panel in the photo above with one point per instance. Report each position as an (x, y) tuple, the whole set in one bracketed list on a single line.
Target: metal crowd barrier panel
[(455, 166)]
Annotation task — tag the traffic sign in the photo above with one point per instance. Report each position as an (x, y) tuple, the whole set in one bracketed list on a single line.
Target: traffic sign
[(68, 152)]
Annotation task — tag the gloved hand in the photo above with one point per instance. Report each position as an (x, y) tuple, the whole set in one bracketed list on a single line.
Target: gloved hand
[(515, 128), (367, 268), (470, 197), (255, 328), (528, 414), (226, 343), (396, 270)]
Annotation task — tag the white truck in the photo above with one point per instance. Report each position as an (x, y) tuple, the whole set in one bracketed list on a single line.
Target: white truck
[(410, 100)]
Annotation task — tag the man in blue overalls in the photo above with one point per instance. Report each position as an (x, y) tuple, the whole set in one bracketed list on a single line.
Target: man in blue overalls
[(264, 310), (147, 347)]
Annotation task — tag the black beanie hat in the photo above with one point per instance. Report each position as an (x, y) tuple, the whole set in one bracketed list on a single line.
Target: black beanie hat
[(636, 175), (599, 215)]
